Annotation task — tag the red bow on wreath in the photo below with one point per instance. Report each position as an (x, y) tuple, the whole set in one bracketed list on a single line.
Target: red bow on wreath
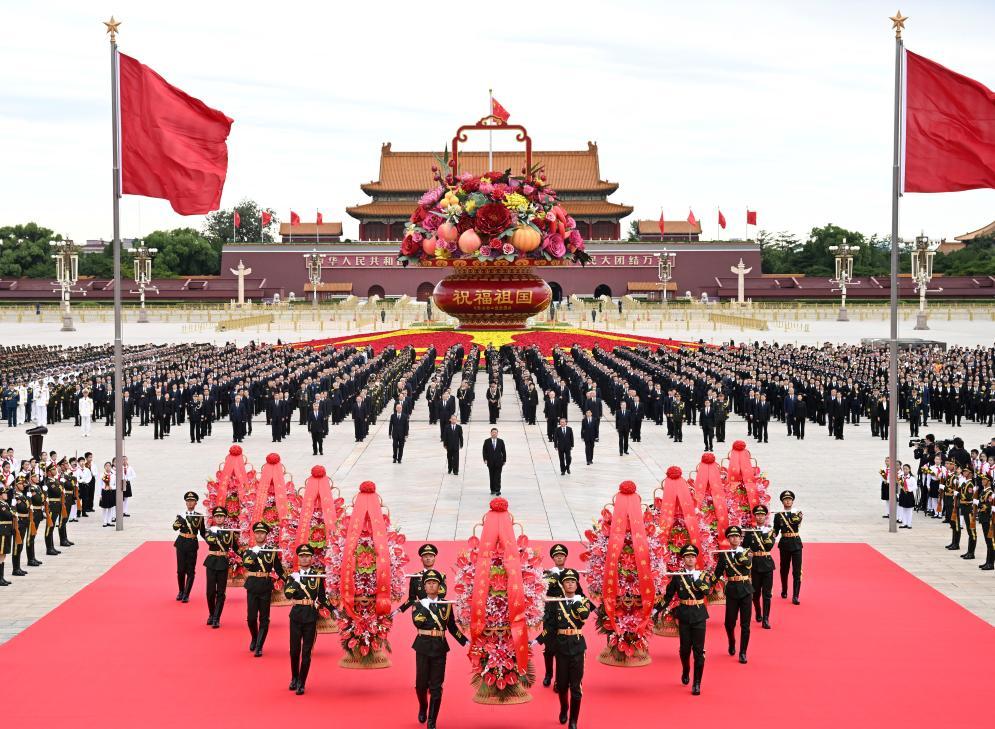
[(317, 494), (677, 495), (234, 467), (272, 476), (366, 508), (708, 480), (741, 469)]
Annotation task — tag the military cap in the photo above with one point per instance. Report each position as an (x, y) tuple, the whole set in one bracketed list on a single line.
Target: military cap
[(569, 574), (431, 576), (303, 549), (734, 531), (558, 549), (64, 461), (760, 509), (787, 495), (427, 549), (689, 549), (219, 511), (50, 467), (190, 496), (260, 526)]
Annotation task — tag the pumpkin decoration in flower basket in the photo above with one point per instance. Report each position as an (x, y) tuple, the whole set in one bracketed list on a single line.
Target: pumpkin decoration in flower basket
[(273, 500), (746, 485), (320, 511), (232, 481), (499, 592), (625, 555), (680, 522), (365, 575)]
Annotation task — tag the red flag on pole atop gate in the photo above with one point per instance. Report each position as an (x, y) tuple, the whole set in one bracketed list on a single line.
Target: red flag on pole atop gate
[(238, 220), (295, 219), (499, 111), (173, 146), (691, 219), (949, 129), (265, 218), (751, 217), (722, 220), (318, 218), (661, 223)]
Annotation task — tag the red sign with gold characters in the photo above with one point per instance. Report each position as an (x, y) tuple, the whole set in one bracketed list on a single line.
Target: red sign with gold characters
[(492, 298)]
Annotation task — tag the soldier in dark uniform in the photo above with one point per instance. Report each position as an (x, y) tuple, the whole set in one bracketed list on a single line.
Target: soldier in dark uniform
[(54, 509), (306, 592), (260, 564), (986, 497), (787, 524), (691, 587), (6, 532), (432, 618), (563, 625), (736, 565), (36, 498), (967, 504), (558, 553), (760, 542), (190, 524), (219, 542), (416, 587), (22, 526)]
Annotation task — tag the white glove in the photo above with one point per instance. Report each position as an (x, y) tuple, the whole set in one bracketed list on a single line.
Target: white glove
[(255, 550), (534, 642), (214, 530), (295, 575), (975, 502), (425, 602), (44, 488)]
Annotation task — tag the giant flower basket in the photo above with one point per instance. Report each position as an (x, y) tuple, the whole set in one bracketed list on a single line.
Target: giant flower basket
[(680, 522), (321, 509), (746, 485), (231, 483), (626, 559), (274, 501), (365, 574), (499, 593), (492, 228)]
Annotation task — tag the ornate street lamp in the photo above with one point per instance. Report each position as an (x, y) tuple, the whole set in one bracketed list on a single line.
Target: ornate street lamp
[(143, 256), (66, 275), (313, 262), (844, 273), (665, 269), (922, 274)]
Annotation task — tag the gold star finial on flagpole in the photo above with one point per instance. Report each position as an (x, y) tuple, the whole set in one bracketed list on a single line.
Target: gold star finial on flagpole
[(898, 23), (112, 26)]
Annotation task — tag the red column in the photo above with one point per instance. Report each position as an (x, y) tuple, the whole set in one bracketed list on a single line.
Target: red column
[(362, 231)]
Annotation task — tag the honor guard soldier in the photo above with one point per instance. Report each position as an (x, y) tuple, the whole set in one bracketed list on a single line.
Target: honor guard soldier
[(691, 587), (760, 542), (70, 499), (6, 532), (190, 525), (787, 523), (563, 624), (986, 497), (260, 565), (432, 617), (306, 592), (53, 509), (416, 588), (967, 498), (22, 527), (950, 492), (735, 565), (36, 498), (220, 541), (558, 553)]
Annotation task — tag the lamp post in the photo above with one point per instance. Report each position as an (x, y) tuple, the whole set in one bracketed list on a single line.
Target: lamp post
[(665, 269), (143, 256), (922, 274), (66, 275), (313, 262), (844, 273)]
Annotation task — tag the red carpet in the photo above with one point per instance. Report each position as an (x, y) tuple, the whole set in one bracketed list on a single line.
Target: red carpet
[(858, 650)]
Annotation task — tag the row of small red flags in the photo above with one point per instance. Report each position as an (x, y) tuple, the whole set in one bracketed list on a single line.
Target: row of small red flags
[(751, 219)]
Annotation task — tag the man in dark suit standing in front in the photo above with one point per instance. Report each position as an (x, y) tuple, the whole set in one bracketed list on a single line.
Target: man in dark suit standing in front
[(238, 418), (563, 439), (761, 416), (452, 438), (397, 429), (360, 418), (317, 425), (589, 428), (623, 424), (446, 409), (549, 411), (707, 422), (801, 416), (495, 456)]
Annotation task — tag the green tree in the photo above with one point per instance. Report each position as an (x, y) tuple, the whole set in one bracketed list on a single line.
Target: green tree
[(776, 250), (26, 251), (218, 226), (633, 231), (183, 252), (976, 258)]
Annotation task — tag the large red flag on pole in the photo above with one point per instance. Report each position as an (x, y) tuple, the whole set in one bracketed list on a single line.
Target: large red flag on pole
[(173, 146), (662, 225), (265, 218), (722, 220), (751, 217), (949, 129)]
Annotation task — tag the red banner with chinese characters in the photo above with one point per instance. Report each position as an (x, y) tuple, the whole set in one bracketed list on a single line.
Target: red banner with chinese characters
[(366, 509), (272, 478), (235, 468), (742, 470), (677, 496), (708, 481), (627, 518), (318, 494)]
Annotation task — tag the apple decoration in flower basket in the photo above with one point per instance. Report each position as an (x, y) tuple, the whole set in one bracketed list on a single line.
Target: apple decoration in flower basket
[(232, 481), (746, 484), (625, 557), (321, 509), (273, 500), (365, 574), (499, 593), (680, 522)]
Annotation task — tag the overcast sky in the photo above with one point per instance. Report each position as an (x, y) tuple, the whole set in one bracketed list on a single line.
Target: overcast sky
[(782, 106)]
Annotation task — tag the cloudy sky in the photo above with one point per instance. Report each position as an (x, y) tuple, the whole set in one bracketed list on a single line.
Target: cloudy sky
[(782, 106)]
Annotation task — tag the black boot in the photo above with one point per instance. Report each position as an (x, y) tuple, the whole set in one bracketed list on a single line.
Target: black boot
[(732, 641), (3, 582), (260, 640), (218, 608), (574, 711), (795, 592), (32, 562), (685, 670), (547, 678), (254, 634), (434, 704), (422, 705), (744, 640), (302, 679), (756, 609), (699, 668), (17, 571), (564, 706), (293, 683)]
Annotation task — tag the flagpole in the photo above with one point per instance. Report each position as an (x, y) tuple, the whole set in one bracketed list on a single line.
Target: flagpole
[(112, 29), (490, 134), (898, 23)]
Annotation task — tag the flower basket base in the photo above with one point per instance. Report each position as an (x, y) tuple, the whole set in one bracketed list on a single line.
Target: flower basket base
[(326, 625), (234, 581), (613, 658), (516, 694), (371, 661), (666, 629), (279, 599), (718, 596), (489, 297)]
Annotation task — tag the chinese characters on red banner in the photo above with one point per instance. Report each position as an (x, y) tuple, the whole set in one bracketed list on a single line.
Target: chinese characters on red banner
[(390, 261)]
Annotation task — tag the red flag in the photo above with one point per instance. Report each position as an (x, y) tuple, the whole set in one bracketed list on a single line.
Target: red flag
[(661, 224), (949, 129), (751, 217), (172, 145), (691, 219), (295, 219), (318, 219), (265, 218), (238, 220), (499, 111), (722, 220)]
